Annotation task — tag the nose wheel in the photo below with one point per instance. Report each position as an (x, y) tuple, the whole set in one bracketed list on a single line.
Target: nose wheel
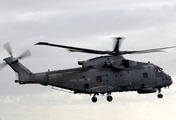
[(159, 93), (160, 96)]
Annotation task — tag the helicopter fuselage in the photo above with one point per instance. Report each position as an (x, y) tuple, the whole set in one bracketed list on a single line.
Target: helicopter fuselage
[(99, 75), (110, 75)]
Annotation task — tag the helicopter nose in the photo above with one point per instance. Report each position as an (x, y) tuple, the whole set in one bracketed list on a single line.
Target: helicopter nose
[(170, 80)]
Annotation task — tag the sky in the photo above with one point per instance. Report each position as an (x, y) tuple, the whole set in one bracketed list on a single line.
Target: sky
[(89, 24)]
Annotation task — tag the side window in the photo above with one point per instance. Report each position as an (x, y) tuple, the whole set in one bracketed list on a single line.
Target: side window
[(145, 75), (98, 79)]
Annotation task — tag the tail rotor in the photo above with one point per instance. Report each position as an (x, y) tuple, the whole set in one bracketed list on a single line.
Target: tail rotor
[(7, 47)]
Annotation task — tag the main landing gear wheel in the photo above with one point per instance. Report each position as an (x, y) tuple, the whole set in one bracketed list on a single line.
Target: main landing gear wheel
[(109, 98), (160, 96), (94, 99)]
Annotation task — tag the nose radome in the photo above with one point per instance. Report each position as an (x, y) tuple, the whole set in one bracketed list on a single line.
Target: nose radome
[(170, 80)]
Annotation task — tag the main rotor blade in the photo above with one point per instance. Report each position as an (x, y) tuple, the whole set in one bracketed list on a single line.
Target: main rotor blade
[(8, 48), (148, 51), (74, 49), (116, 51), (118, 44)]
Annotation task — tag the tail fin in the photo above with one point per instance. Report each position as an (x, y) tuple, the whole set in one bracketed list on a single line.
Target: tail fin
[(24, 74)]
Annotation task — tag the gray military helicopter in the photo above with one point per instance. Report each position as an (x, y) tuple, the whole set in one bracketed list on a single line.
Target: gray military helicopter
[(100, 75)]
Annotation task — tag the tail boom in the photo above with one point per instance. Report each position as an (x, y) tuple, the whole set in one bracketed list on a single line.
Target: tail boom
[(25, 76)]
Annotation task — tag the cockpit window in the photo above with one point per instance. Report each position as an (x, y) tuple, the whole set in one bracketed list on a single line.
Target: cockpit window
[(160, 72)]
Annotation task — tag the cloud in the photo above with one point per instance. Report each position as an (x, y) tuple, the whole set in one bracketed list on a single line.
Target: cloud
[(54, 106)]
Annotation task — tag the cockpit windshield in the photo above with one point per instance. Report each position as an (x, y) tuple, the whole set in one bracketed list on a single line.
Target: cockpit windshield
[(159, 72)]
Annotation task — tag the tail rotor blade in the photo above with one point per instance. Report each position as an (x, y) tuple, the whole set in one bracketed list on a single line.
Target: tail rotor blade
[(8, 48), (26, 54), (2, 65)]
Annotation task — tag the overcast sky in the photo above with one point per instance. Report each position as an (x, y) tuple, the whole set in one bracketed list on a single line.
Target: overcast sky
[(90, 24)]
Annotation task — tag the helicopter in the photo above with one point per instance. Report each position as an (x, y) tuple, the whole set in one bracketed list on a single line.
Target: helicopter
[(97, 76)]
